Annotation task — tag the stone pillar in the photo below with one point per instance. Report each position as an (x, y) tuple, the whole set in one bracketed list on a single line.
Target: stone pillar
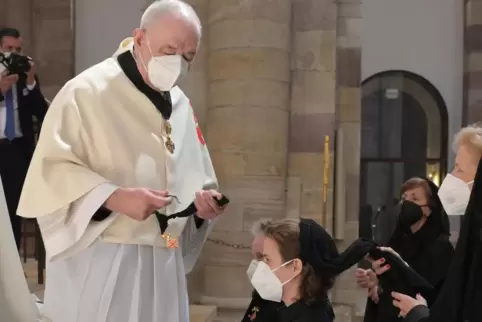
[(194, 84), (349, 122), (313, 102), (473, 61), (247, 130), (53, 50), (17, 14)]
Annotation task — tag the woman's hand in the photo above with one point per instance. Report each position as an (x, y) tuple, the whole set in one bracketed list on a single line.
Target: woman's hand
[(366, 278), (389, 250), (406, 303), (379, 266), (373, 294)]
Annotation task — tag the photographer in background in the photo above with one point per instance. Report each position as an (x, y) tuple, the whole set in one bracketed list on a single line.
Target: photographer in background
[(20, 101)]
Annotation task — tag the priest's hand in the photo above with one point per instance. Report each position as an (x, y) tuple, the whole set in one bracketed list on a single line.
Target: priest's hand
[(406, 303), (137, 203), (206, 206), (366, 278)]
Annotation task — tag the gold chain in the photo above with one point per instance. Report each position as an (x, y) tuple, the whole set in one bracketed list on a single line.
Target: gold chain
[(223, 243)]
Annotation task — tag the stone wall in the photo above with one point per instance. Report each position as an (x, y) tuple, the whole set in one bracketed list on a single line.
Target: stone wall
[(349, 125), (278, 76), (473, 61), (46, 28)]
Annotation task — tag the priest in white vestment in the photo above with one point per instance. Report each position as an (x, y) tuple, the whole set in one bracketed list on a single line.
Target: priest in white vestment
[(120, 143)]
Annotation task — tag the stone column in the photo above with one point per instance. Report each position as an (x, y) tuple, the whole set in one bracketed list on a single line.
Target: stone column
[(17, 14), (53, 49), (194, 84), (313, 102), (349, 121), (473, 62), (247, 130)]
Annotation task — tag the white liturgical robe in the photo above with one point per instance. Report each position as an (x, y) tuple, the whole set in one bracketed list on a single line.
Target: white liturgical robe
[(101, 132), (16, 303)]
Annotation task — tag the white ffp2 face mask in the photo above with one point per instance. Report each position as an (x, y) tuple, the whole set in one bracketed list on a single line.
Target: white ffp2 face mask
[(266, 283), (252, 268), (164, 72), (454, 194)]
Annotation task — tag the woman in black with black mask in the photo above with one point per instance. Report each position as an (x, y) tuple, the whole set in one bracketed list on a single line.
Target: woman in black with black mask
[(421, 238)]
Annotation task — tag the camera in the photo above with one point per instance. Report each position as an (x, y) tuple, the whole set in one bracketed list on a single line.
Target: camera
[(15, 63)]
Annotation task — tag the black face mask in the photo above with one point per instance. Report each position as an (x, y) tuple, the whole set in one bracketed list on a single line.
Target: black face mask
[(410, 213)]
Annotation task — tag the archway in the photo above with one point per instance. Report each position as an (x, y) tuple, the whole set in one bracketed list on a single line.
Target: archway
[(404, 134)]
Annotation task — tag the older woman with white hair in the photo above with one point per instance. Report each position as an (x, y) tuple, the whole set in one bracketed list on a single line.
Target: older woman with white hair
[(460, 194)]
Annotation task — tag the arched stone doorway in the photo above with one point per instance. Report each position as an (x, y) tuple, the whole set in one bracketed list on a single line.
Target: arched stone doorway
[(404, 134)]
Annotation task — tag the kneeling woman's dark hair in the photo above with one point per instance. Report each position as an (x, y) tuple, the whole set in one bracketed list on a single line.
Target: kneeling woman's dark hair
[(286, 234)]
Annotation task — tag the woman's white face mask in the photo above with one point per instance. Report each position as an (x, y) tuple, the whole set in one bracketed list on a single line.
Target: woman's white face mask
[(265, 281), (166, 71), (454, 194)]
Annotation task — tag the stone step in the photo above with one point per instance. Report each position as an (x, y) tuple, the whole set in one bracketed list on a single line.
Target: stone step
[(229, 315), (202, 313)]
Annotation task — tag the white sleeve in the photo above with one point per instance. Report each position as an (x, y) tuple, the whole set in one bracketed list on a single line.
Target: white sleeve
[(61, 235), (192, 241)]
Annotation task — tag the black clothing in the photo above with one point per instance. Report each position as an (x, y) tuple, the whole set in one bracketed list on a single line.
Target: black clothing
[(428, 252), (16, 154), (261, 310), (461, 295), (418, 314)]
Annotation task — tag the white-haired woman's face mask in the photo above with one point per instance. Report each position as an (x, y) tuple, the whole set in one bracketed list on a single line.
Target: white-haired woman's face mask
[(454, 193)]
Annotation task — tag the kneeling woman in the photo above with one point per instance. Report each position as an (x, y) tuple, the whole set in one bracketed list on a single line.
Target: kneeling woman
[(299, 265)]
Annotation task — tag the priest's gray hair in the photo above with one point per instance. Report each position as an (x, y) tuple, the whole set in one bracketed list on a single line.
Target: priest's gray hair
[(162, 7), (470, 136)]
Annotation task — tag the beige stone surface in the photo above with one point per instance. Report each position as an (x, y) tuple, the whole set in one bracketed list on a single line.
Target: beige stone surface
[(474, 12), (313, 92), (255, 129), (249, 33), (349, 104), (474, 62), (257, 92), (272, 10), (249, 63), (315, 50), (202, 313)]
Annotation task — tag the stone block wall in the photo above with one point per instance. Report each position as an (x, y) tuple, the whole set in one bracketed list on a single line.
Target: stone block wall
[(473, 61), (46, 27)]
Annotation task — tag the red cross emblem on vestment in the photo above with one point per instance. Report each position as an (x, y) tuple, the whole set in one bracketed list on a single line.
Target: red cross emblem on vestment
[(198, 128)]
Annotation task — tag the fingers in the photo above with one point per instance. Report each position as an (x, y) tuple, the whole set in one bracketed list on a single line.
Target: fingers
[(420, 297), (371, 274), (158, 202), (209, 199), (379, 267), (215, 194), (360, 272), (201, 205), (159, 193)]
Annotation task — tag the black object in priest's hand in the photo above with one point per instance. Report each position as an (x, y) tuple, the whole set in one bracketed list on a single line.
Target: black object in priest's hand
[(189, 211)]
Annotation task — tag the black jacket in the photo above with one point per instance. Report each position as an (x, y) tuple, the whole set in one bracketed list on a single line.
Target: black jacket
[(260, 310), (30, 104)]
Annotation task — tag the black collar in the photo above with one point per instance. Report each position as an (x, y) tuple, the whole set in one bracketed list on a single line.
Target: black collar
[(161, 102)]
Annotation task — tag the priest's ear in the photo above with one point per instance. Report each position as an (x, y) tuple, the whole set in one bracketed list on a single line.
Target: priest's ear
[(138, 35)]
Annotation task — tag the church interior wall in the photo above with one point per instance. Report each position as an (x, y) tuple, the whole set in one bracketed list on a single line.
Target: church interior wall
[(422, 37)]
